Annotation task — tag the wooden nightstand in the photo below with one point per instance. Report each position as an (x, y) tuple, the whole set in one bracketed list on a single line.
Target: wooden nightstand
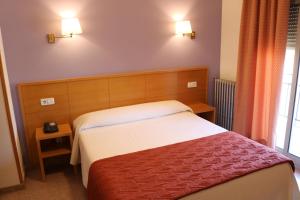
[(52, 147), (205, 111)]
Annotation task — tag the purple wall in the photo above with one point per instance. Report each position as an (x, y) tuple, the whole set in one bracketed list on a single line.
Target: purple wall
[(118, 36)]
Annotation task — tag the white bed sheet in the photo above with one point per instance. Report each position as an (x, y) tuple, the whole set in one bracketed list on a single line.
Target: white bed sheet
[(108, 141)]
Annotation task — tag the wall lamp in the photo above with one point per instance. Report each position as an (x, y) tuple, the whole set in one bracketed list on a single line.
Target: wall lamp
[(184, 28), (69, 27)]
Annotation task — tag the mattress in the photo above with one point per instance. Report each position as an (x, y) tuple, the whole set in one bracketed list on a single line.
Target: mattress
[(97, 143)]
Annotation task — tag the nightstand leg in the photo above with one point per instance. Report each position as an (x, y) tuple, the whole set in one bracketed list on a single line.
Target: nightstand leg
[(42, 169), (214, 117), (75, 169), (41, 160)]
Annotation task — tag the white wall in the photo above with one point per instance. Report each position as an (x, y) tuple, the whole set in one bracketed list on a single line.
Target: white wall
[(231, 19)]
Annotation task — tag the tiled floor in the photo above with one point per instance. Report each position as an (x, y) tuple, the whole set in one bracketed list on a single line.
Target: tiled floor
[(62, 185)]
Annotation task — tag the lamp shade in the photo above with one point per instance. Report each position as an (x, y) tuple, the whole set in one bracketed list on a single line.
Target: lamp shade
[(183, 27), (70, 26)]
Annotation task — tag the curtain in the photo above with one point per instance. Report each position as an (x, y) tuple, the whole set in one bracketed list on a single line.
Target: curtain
[(263, 37)]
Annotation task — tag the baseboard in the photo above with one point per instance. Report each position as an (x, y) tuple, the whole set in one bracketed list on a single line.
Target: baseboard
[(13, 188)]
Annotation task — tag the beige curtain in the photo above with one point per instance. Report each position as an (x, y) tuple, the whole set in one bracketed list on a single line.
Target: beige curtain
[(263, 37)]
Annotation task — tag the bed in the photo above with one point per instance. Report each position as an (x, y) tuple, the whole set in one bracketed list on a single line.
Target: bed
[(120, 131)]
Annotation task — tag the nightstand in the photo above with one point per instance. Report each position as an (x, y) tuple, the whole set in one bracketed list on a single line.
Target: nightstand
[(205, 111), (53, 144)]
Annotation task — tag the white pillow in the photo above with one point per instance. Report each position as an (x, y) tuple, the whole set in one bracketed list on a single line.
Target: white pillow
[(127, 114)]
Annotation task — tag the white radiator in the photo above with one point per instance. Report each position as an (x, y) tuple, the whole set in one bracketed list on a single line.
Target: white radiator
[(224, 102)]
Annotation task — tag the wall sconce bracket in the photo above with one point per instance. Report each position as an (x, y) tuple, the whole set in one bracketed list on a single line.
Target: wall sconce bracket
[(192, 35), (52, 38)]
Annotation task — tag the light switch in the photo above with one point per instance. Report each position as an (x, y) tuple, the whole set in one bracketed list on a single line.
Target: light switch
[(192, 84), (47, 101)]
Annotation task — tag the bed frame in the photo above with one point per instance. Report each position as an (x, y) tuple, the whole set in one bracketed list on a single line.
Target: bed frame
[(74, 97)]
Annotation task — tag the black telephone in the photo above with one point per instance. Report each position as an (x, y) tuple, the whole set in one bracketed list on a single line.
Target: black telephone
[(50, 127)]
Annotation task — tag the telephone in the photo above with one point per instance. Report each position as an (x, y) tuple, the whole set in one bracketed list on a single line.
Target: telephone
[(50, 127)]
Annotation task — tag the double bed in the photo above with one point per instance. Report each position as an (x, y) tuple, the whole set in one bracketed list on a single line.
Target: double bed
[(124, 133), (125, 130)]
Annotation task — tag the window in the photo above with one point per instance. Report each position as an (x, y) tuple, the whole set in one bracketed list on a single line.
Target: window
[(288, 121)]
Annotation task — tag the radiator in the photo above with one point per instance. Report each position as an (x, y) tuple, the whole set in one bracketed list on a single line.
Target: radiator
[(224, 102)]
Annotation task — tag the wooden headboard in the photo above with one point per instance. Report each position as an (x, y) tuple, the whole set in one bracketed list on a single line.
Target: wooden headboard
[(74, 97)]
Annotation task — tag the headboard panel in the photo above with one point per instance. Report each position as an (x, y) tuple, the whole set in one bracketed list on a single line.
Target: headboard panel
[(87, 95), (126, 90), (74, 97)]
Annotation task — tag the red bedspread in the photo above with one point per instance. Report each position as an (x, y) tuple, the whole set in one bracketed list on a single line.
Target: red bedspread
[(177, 170)]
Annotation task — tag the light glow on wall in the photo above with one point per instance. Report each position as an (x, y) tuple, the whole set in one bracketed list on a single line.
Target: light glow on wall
[(67, 14)]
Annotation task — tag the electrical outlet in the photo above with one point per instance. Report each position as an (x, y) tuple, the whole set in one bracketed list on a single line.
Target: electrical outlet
[(47, 101), (192, 84)]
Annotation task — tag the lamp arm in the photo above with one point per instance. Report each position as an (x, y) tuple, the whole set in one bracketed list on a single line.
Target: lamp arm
[(52, 37), (65, 36)]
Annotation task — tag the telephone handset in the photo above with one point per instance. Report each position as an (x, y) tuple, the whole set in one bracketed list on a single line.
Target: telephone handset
[(50, 127)]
